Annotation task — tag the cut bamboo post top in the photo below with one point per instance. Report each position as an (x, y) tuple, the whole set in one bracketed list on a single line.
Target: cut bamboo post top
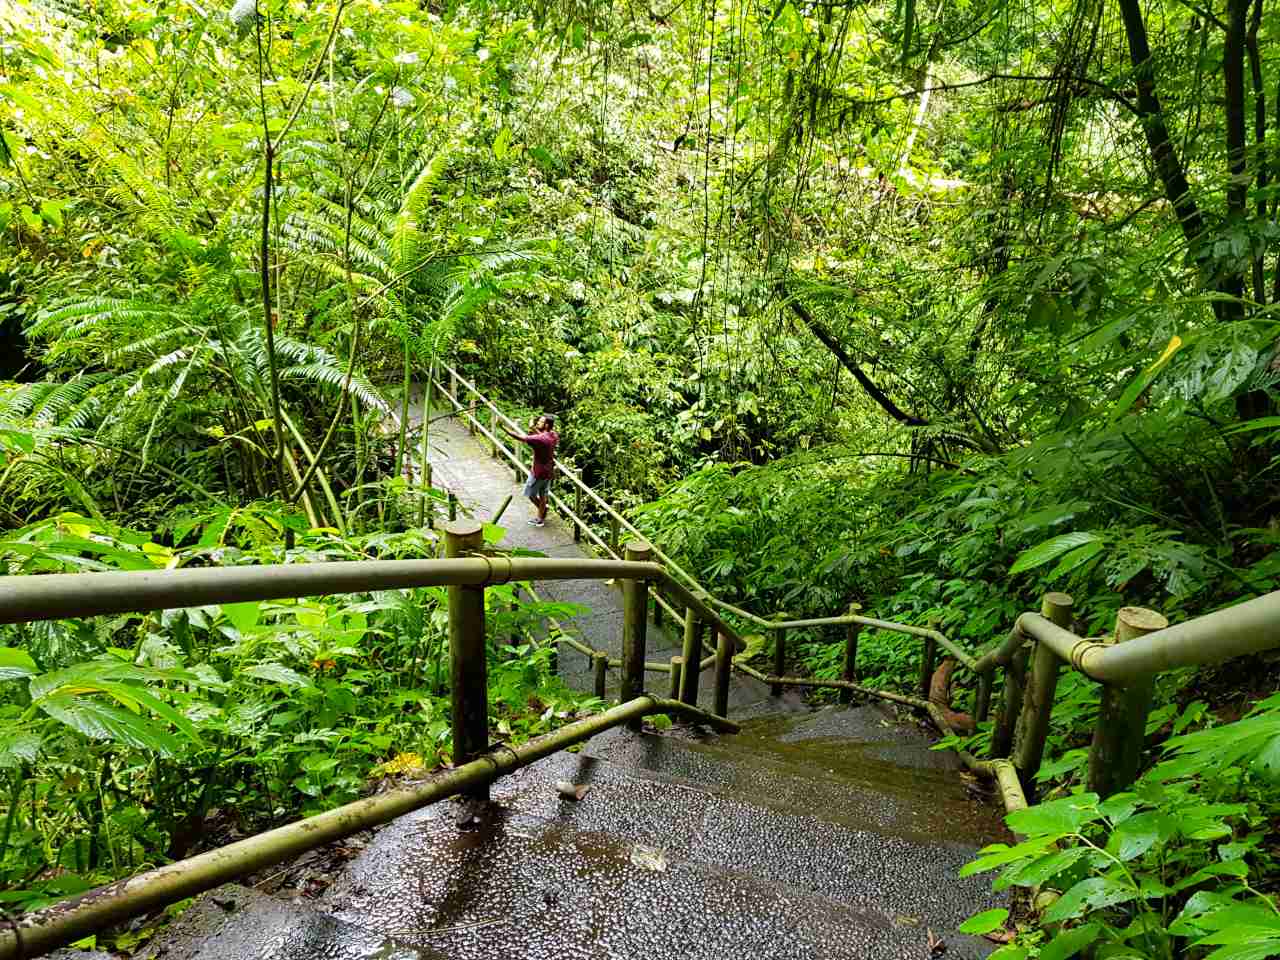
[(462, 537), (1134, 622), (638, 550), (1055, 602)]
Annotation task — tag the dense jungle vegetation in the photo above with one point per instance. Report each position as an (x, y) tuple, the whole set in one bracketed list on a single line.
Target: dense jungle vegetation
[(929, 307)]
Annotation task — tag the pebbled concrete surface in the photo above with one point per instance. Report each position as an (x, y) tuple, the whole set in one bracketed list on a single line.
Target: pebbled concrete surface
[(238, 922), (668, 855)]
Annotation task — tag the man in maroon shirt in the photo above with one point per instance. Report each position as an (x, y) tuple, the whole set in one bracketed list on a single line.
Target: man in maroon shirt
[(543, 440)]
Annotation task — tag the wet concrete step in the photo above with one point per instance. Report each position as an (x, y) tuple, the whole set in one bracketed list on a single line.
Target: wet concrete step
[(531, 887), (238, 922), (860, 767), (847, 874)]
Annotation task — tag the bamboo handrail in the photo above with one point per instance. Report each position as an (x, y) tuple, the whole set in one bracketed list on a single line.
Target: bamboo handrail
[(41, 931), (1249, 627), (671, 565), (1243, 629), (570, 474)]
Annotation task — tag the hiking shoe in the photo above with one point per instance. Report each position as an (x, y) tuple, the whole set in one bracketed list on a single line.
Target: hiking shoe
[(535, 522)]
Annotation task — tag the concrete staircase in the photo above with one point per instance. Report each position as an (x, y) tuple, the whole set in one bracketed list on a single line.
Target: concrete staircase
[(828, 834)]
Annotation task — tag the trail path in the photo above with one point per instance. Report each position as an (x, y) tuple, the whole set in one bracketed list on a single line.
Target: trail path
[(461, 463), (834, 834)]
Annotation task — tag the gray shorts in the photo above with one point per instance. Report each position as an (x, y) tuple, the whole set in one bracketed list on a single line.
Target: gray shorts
[(537, 487)]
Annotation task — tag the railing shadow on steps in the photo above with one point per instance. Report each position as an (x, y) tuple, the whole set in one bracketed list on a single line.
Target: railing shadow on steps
[(1124, 666)]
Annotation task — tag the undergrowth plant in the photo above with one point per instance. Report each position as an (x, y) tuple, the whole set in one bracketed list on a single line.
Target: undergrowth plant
[(138, 738)]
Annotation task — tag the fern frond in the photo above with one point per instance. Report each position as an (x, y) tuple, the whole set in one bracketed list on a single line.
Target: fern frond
[(160, 363), (332, 376), (75, 317)]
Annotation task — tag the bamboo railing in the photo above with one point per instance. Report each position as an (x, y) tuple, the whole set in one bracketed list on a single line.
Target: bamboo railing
[(465, 572), (1029, 659)]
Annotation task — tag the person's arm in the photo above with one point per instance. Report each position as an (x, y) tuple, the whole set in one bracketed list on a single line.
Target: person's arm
[(511, 433)]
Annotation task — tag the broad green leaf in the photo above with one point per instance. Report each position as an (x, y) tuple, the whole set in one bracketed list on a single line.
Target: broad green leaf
[(18, 745), (1050, 865), (1076, 558), (1243, 916), (278, 673), (1056, 818), (16, 664), (999, 854), (1044, 552), (985, 922), (1258, 423), (104, 721), (1053, 515), (502, 143), (1228, 868), (140, 696), (1070, 942), (91, 673), (1118, 807), (243, 616), (1092, 893), (1140, 833), (1247, 951), (1144, 379)]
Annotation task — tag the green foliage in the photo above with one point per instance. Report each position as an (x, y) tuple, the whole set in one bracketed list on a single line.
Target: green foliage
[(1175, 865), (132, 738), (848, 303)]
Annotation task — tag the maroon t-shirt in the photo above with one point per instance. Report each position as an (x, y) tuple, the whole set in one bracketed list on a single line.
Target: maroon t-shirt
[(544, 452)]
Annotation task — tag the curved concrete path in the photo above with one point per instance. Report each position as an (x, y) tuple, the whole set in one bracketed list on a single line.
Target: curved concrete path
[(461, 463)]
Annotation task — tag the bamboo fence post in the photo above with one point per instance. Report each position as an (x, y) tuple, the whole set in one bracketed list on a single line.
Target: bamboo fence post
[(982, 699), (453, 507), (600, 664), (615, 531), (779, 654), (692, 656), (453, 384), (577, 512), (493, 433), (928, 658), (635, 621), (467, 668), (724, 665), (677, 669), (850, 670), (1037, 699), (1014, 677), (502, 508), (1116, 753)]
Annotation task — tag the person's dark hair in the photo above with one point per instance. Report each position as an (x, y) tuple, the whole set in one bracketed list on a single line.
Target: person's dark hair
[(551, 420)]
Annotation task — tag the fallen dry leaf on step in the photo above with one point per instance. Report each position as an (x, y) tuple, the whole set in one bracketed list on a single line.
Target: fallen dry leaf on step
[(648, 858), (571, 791), (1001, 936), (937, 946)]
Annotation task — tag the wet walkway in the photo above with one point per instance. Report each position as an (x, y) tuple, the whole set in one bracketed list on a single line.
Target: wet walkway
[(461, 463)]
